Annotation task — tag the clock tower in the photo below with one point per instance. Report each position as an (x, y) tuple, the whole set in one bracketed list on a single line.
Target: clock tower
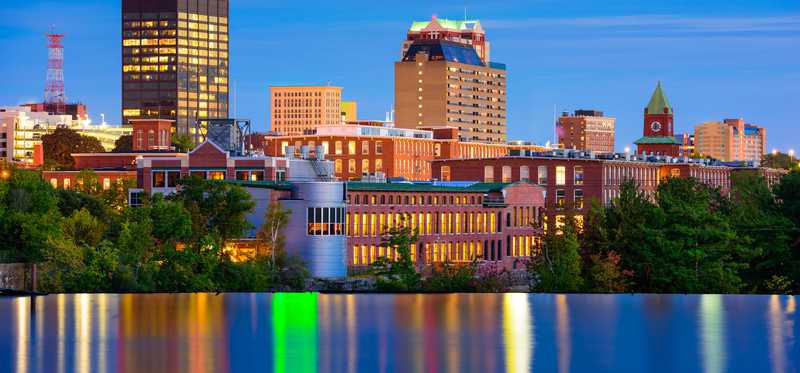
[(659, 136)]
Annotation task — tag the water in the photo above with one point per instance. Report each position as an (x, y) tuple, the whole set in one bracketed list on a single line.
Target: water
[(399, 333)]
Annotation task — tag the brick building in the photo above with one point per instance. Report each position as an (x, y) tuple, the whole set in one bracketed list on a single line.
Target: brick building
[(491, 221), (731, 140), (587, 130), (659, 132), (362, 151)]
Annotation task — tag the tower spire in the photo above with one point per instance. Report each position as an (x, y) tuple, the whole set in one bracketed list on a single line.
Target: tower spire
[(658, 102)]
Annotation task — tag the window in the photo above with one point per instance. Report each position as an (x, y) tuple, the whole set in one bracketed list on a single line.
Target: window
[(365, 147), (216, 175), (338, 147), (66, 183), (578, 175), (256, 175), (365, 167), (488, 174), (172, 178), (378, 147), (351, 147), (338, 166), (578, 199), (351, 166), (561, 175), (325, 221), (445, 173), (378, 165), (506, 174), (524, 173), (280, 174), (542, 175), (242, 175), (560, 195), (159, 180)]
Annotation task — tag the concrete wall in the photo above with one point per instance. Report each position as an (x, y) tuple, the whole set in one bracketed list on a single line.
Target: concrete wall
[(15, 276)]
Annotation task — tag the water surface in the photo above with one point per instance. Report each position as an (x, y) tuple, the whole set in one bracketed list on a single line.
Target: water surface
[(312, 332)]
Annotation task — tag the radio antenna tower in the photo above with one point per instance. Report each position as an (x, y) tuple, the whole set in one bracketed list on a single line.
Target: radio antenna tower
[(54, 86)]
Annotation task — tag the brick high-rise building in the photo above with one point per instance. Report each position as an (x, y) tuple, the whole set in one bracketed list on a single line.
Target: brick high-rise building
[(731, 140), (444, 83), (587, 130), (299, 110), (175, 61)]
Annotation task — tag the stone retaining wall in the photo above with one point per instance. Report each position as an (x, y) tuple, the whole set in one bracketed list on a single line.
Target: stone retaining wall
[(15, 276)]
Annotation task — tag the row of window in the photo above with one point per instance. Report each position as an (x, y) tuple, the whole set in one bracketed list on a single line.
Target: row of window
[(169, 179), (351, 166), (452, 252), (67, 182), (325, 221), (420, 200), (524, 174), (377, 224)]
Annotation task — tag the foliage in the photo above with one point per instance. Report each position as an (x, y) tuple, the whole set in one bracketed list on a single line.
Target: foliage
[(779, 160), (605, 273), (124, 144), (398, 274), (558, 268), (450, 278), (182, 142), (59, 146), (271, 232)]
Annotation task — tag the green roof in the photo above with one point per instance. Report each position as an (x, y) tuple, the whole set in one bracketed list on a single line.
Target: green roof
[(264, 184), (409, 187), (658, 102), (657, 140), (417, 26)]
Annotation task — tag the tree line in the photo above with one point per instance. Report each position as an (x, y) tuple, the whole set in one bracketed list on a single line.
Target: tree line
[(87, 239), (687, 238)]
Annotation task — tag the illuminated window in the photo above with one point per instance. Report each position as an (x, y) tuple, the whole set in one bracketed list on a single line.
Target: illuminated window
[(578, 175), (542, 175), (488, 174), (578, 199), (365, 167), (351, 147), (561, 175), (338, 147), (378, 165), (351, 166), (365, 147), (338, 164), (445, 173), (506, 174), (560, 196)]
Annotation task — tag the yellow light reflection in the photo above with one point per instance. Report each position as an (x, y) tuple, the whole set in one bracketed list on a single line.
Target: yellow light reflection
[(563, 336), (712, 325), (352, 334), (23, 330), (452, 322), (82, 332), (518, 332), (61, 332), (777, 349), (102, 330)]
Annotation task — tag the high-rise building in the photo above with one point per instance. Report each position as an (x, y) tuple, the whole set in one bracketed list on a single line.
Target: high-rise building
[(587, 130), (658, 131), (175, 61), (731, 140), (464, 32), (444, 83), (298, 110), (349, 111)]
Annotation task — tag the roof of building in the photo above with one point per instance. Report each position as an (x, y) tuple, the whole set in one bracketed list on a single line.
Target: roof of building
[(463, 25), (415, 187), (657, 140), (658, 102), (439, 50)]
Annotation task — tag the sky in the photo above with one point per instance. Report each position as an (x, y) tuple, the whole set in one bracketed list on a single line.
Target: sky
[(716, 59)]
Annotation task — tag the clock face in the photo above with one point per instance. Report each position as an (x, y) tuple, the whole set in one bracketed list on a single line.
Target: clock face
[(655, 126)]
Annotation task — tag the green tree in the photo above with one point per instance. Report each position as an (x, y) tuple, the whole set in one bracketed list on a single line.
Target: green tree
[(59, 146), (83, 228), (605, 274), (182, 142), (124, 144), (399, 274), (558, 268), (779, 160), (271, 232), (787, 193)]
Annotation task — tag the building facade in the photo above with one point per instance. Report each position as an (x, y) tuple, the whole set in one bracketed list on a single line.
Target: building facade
[(298, 110), (444, 83), (497, 222), (21, 131), (731, 140), (659, 137), (467, 32), (175, 61), (571, 182), (361, 152), (587, 130)]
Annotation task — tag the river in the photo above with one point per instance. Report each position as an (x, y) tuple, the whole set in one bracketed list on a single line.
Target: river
[(310, 332)]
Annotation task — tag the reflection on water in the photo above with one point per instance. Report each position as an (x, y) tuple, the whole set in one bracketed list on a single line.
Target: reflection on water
[(309, 332)]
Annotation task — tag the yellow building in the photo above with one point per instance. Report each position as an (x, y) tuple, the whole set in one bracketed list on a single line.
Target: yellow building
[(349, 111), (298, 110)]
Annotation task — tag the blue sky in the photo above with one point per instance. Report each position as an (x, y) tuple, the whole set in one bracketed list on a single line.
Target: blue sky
[(716, 59)]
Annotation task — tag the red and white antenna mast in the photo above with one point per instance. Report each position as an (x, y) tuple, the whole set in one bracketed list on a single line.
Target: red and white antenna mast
[(54, 87)]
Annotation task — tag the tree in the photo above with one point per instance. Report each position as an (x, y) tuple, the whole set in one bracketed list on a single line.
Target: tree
[(605, 273), (558, 268), (124, 144), (779, 160), (271, 232), (182, 142), (59, 146), (398, 274)]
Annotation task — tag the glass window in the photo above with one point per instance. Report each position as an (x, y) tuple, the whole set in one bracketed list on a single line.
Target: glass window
[(379, 147), (159, 180), (351, 166), (338, 166), (578, 175), (172, 178), (488, 174), (256, 175), (506, 174), (378, 165), (524, 173), (365, 147), (560, 195), (242, 175), (365, 167), (351, 147), (561, 175), (578, 199), (216, 175), (542, 175), (445, 173), (338, 147)]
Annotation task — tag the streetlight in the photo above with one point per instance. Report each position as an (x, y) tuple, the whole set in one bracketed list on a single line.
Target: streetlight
[(791, 153), (774, 151)]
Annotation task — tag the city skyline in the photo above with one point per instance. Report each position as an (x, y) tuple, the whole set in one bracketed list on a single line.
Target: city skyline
[(741, 59)]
